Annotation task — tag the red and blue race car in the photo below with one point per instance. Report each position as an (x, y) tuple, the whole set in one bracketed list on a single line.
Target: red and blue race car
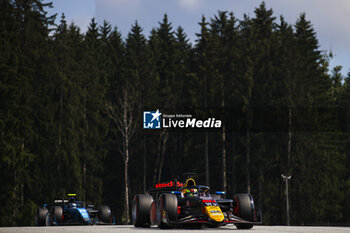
[(174, 204)]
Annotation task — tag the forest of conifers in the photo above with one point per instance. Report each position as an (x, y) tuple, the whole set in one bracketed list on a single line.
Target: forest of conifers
[(72, 104)]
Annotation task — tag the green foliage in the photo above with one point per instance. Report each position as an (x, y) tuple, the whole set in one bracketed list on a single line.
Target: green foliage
[(56, 135)]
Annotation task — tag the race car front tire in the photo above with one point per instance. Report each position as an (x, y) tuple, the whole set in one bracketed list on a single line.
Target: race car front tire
[(167, 208), (141, 207), (105, 214), (245, 207), (56, 215), (40, 217)]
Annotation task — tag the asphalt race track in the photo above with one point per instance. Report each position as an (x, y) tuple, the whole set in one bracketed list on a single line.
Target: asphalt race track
[(130, 229)]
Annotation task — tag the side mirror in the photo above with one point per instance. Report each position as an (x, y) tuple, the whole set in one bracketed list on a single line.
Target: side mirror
[(220, 193), (175, 192)]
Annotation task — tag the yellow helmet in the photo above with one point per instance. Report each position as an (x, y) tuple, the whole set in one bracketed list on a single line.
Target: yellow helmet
[(190, 182)]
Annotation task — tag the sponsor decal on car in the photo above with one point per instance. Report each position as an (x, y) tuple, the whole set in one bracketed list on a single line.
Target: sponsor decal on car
[(214, 212), (169, 185), (83, 212)]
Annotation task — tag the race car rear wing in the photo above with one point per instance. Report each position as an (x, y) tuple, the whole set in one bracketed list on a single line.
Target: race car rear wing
[(60, 201), (166, 186)]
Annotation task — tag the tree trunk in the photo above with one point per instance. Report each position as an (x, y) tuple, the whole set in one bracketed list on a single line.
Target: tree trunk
[(164, 141), (126, 164), (289, 159), (223, 137), (289, 139), (14, 198), (156, 165), (206, 158), (84, 140), (22, 195), (126, 161), (84, 181), (248, 160), (206, 139), (233, 164), (260, 186), (60, 133), (123, 116), (144, 163), (224, 184), (61, 116), (160, 156)]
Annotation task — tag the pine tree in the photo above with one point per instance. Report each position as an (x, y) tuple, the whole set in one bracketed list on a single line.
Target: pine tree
[(264, 44), (93, 119), (64, 167), (248, 47), (345, 103), (115, 51), (23, 65), (183, 56), (336, 79), (201, 95), (136, 86), (162, 44), (313, 150)]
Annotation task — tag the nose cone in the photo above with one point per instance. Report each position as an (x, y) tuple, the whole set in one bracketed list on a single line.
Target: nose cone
[(214, 213), (84, 214)]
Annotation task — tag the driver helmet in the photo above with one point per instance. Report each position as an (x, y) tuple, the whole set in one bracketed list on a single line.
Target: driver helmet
[(73, 205), (190, 182), (192, 192)]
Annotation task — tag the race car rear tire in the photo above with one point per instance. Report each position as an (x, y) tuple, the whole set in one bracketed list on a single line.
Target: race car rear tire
[(167, 205), (245, 206), (56, 215), (141, 207), (105, 214), (40, 217)]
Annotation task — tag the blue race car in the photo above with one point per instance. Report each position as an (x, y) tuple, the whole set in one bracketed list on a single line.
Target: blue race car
[(72, 212)]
